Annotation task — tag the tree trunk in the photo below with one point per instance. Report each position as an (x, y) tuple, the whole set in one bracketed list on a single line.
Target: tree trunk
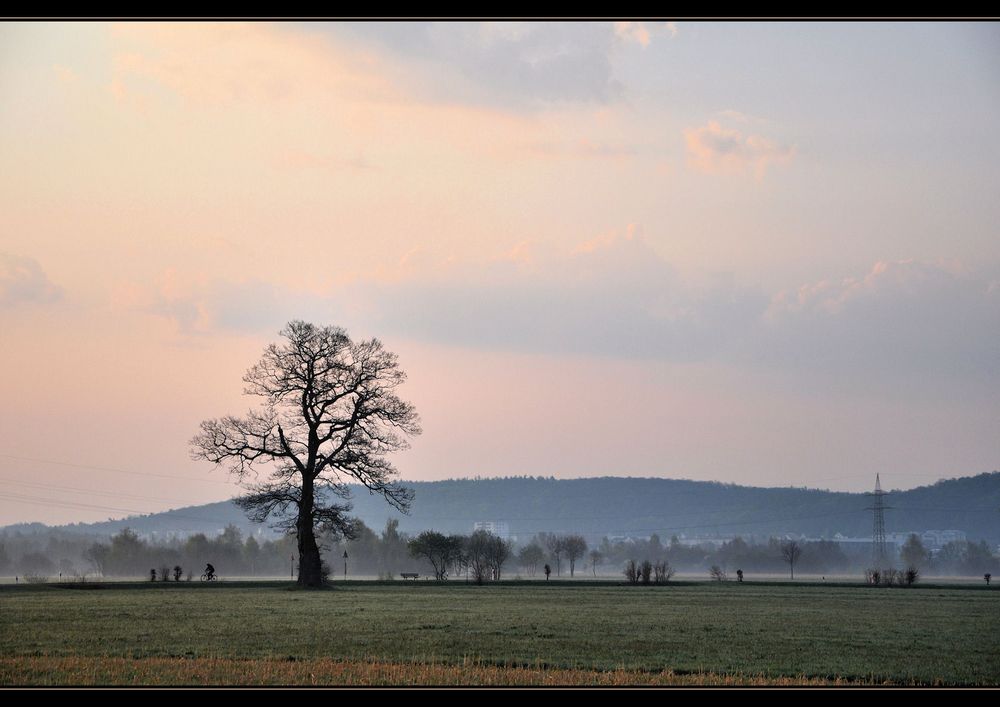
[(310, 563)]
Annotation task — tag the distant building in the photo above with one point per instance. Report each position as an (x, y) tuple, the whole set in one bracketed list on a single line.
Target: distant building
[(494, 527), (931, 539)]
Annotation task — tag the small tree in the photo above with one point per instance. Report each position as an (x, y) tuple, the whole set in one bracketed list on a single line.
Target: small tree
[(595, 558), (177, 573), (575, 547), (556, 545), (911, 575), (548, 571), (165, 573), (498, 552), (790, 553), (152, 575), (717, 573), (662, 572), (987, 577), (646, 571)]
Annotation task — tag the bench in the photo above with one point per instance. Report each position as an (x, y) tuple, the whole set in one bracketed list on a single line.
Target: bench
[(409, 575)]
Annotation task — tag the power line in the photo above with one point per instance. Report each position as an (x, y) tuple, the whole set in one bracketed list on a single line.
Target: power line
[(117, 471), (92, 492)]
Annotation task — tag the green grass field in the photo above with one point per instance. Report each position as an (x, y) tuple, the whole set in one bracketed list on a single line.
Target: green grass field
[(528, 633)]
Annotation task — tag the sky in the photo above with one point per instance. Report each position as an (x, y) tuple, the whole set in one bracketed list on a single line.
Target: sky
[(755, 253)]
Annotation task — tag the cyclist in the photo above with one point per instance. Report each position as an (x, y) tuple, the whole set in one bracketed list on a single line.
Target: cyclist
[(209, 571)]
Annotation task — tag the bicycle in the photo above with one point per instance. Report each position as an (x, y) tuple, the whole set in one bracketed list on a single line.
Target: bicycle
[(209, 577)]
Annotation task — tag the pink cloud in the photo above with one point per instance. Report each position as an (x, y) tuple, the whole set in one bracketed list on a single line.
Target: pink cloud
[(22, 280), (714, 149)]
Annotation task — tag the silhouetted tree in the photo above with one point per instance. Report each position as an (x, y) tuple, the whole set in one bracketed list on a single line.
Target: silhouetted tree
[(438, 549), (717, 573), (632, 572), (790, 553), (548, 571), (646, 571), (331, 415), (575, 547), (178, 571)]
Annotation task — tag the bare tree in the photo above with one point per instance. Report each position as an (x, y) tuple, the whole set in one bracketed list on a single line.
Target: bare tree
[(662, 572), (595, 558), (790, 553), (530, 556), (556, 545), (498, 552), (97, 555), (486, 554), (646, 571), (718, 574), (331, 415), (574, 546)]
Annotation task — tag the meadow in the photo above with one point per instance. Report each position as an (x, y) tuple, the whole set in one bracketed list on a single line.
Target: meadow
[(509, 633)]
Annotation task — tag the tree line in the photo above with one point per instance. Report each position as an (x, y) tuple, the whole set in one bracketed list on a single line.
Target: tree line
[(477, 556)]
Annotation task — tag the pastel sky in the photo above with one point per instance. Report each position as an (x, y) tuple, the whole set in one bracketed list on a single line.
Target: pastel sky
[(763, 254)]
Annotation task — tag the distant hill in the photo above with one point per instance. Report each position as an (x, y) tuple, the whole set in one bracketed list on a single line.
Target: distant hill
[(619, 506)]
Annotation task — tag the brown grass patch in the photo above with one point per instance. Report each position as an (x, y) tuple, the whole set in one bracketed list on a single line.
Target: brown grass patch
[(78, 670)]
